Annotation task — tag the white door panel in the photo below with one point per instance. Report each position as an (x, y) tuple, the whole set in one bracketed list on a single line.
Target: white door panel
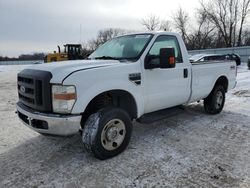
[(166, 87)]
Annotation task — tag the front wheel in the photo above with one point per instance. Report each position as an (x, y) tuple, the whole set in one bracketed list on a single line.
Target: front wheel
[(214, 103), (107, 132)]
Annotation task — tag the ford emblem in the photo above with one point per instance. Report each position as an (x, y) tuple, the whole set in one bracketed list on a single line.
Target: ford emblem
[(22, 88)]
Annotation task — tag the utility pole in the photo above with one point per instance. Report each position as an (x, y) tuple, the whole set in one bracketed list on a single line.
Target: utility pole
[(80, 33)]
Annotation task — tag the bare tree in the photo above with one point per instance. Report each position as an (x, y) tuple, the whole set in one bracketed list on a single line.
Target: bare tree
[(87, 49), (216, 12), (103, 36), (151, 23), (107, 34), (244, 12), (165, 25), (246, 37), (180, 19), (225, 15), (202, 36)]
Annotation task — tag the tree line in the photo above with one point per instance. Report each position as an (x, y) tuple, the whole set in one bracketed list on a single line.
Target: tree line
[(24, 57), (216, 24)]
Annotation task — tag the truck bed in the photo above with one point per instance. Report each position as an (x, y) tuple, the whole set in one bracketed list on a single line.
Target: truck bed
[(205, 74)]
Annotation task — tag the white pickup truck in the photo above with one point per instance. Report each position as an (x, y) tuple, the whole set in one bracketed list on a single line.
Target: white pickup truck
[(126, 78)]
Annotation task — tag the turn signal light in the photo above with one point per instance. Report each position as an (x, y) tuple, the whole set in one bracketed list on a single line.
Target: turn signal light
[(65, 96), (171, 60)]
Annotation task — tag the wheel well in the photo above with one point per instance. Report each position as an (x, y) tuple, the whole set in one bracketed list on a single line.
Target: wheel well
[(223, 81), (118, 98)]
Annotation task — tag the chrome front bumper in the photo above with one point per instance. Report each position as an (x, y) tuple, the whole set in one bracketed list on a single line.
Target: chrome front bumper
[(53, 124)]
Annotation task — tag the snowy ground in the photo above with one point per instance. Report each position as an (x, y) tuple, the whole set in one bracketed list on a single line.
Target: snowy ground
[(192, 149)]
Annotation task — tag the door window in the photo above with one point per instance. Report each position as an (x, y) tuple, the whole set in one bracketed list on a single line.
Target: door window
[(166, 41)]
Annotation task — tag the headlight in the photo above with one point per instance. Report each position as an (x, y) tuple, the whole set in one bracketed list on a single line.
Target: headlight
[(63, 98)]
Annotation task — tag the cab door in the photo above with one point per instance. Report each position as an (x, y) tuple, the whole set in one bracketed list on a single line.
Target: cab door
[(166, 87)]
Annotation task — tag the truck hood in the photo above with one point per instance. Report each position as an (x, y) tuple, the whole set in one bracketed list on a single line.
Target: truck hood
[(61, 70)]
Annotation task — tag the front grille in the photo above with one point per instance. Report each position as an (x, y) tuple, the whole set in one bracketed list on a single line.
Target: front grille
[(26, 80), (26, 99), (34, 89)]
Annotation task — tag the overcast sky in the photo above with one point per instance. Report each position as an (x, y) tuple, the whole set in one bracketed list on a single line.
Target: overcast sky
[(28, 26)]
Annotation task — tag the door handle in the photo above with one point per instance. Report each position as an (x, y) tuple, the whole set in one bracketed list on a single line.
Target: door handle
[(185, 73)]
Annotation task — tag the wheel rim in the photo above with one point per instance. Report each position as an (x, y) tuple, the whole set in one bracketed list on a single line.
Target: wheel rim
[(113, 134), (219, 100)]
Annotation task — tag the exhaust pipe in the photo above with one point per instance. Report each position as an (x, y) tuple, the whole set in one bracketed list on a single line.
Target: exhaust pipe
[(59, 49)]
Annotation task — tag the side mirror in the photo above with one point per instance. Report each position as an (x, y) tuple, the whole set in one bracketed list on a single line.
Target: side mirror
[(167, 58), (151, 62)]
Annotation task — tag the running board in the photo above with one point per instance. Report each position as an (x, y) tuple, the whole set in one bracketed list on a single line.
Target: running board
[(161, 114)]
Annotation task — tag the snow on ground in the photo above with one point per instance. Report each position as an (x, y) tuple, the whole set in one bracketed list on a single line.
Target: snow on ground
[(191, 149)]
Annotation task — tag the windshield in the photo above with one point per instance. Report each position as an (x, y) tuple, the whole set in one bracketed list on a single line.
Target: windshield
[(122, 48)]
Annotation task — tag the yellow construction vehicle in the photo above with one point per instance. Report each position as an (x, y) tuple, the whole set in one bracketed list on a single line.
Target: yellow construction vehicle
[(70, 52)]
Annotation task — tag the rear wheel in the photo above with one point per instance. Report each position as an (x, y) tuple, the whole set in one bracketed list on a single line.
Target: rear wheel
[(214, 103), (107, 132)]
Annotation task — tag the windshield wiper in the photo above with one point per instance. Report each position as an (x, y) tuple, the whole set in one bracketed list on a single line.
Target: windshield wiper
[(107, 57)]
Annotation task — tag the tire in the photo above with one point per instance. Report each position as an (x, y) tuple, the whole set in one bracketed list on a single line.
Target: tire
[(107, 132), (214, 103)]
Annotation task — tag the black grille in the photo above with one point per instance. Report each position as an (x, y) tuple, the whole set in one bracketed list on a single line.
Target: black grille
[(34, 89)]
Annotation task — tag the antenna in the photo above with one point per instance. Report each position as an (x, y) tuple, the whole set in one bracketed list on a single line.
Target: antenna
[(80, 33)]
